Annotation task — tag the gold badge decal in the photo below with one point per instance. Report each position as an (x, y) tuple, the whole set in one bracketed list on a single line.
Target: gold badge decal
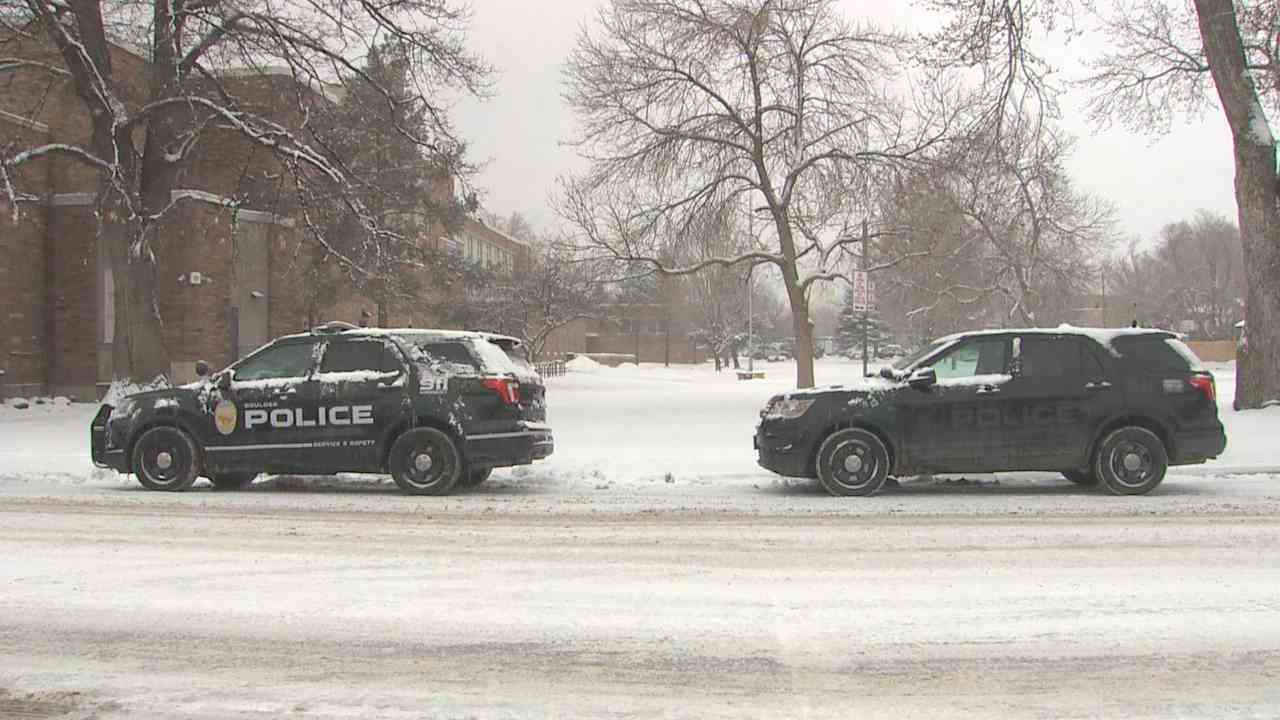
[(224, 417)]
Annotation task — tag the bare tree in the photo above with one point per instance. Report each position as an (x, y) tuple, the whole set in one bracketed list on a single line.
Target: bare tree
[(196, 56), (688, 105), (1163, 56), (1194, 275), (1038, 235), (716, 294), (541, 296)]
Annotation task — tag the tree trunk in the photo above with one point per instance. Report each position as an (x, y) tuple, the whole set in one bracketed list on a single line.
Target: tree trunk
[(1257, 201), (801, 327), (137, 351)]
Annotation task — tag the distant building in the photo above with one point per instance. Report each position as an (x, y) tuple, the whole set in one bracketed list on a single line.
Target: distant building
[(230, 276)]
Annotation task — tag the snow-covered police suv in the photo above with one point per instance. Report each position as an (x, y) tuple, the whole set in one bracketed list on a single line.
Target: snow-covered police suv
[(435, 408), (1109, 407)]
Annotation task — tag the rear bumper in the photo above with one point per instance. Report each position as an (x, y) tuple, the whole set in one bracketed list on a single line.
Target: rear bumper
[(1192, 447), (520, 446)]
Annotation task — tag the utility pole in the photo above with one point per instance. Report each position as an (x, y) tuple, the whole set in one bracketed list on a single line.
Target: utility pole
[(866, 306), (751, 341)]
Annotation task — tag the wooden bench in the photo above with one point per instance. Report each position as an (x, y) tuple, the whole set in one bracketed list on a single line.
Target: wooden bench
[(750, 374)]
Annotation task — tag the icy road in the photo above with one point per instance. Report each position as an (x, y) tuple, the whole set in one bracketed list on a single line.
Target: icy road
[(659, 576)]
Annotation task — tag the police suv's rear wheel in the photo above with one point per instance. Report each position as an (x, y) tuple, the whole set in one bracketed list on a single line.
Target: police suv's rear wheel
[(852, 462), (425, 461), (166, 458), (475, 477), (1130, 461), (232, 481), (1083, 478)]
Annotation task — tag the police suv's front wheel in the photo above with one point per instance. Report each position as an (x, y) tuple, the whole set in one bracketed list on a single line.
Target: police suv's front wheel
[(425, 461), (852, 462), (1130, 461), (166, 458)]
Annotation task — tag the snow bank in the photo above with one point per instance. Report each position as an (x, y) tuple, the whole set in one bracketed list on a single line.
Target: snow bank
[(584, 364)]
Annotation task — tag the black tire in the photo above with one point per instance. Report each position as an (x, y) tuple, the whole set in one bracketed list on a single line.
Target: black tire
[(425, 461), (166, 458), (1083, 478), (232, 481), (1130, 461), (852, 462), (475, 477)]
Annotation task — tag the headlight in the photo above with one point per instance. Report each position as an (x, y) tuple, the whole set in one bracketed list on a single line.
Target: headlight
[(788, 409)]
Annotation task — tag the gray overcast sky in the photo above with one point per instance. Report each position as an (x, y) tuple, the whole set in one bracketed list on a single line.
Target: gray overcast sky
[(1152, 180)]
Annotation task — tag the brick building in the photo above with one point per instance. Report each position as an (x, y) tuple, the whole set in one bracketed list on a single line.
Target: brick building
[(230, 276)]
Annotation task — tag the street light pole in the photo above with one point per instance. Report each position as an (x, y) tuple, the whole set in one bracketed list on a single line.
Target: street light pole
[(751, 341), (866, 305)]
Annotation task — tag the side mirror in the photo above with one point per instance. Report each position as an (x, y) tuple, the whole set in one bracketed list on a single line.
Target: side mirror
[(223, 381), (202, 368), (923, 378)]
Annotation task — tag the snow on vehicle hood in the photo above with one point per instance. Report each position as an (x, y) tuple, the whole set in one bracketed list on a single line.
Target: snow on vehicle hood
[(863, 386)]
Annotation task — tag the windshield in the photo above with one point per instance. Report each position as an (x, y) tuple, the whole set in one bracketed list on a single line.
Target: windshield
[(916, 356)]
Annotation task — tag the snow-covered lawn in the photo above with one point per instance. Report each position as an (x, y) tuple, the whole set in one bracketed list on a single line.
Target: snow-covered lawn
[(648, 430)]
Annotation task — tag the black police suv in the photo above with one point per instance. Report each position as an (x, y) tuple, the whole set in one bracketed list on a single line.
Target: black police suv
[(1108, 407), (435, 408)]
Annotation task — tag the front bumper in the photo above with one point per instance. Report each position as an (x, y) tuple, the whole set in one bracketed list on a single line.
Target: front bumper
[(101, 450), (520, 446), (782, 449)]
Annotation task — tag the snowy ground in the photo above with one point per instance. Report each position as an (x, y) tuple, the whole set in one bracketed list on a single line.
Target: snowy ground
[(648, 569), (655, 437)]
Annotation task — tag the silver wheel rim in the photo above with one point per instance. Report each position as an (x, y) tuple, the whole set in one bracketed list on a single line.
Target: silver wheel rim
[(853, 464), (1131, 464), (427, 462)]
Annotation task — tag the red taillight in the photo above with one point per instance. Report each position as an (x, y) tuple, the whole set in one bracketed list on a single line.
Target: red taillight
[(1204, 383), (507, 389)]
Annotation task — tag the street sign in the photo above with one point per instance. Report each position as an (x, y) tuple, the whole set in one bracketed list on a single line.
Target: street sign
[(863, 291)]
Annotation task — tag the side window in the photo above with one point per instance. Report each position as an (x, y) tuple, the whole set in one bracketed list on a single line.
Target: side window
[(981, 356), (1056, 357), (1089, 364), (372, 356), (282, 361), (1156, 354), (449, 354), (1048, 357)]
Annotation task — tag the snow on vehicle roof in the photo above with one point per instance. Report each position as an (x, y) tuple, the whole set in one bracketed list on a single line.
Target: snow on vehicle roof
[(435, 334), (1103, 336)]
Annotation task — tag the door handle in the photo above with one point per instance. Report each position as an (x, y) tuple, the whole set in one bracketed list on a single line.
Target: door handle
[(1096, 386), (988, 390), (288, 392)]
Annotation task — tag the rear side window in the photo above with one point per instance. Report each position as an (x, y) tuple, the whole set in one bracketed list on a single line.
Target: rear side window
[(453, 354), (1047, 357), (492, 357), (1156, 354)]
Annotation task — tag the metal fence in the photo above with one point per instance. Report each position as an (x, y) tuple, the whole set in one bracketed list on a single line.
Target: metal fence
[(550, 368)]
